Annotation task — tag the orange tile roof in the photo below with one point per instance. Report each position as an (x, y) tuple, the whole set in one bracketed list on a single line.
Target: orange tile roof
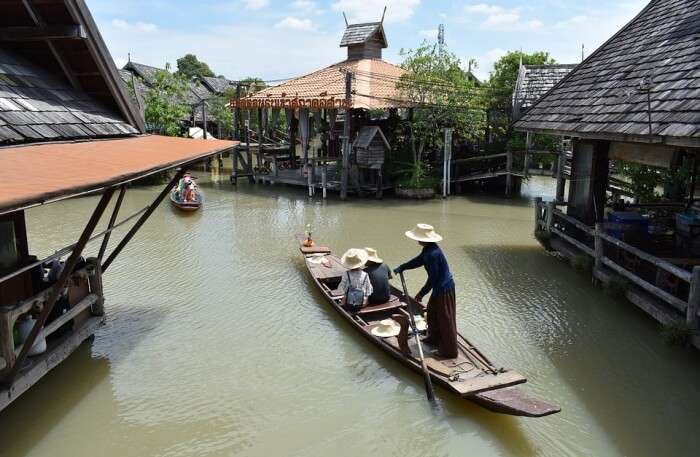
[(46, 172), (374, 85)]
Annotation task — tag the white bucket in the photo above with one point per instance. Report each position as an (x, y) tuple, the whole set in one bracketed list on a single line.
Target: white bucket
[(24, 326)]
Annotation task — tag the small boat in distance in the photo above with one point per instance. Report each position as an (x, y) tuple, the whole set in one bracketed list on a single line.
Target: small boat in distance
[(186, 196), (470, 376)]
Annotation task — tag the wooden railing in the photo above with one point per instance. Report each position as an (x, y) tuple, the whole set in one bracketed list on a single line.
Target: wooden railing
[(625, 260)]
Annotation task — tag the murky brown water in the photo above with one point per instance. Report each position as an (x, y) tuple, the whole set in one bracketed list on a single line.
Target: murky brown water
[(217, 346)]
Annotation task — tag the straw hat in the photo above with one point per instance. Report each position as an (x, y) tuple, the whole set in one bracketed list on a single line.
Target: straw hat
[(315, 259), (386, 328), (421, 324), (372, 255), (425, 233), (354, 258)]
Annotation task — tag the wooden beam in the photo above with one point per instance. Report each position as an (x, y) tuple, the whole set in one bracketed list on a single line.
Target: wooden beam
[(42, 33), (143, 219), (112, 220)]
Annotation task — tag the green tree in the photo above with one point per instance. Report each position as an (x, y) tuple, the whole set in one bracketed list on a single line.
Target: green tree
[(445, 96), (190, 67), (164, 103)]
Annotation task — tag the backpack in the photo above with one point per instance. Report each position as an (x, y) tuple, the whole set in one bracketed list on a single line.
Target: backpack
[(355, 297)]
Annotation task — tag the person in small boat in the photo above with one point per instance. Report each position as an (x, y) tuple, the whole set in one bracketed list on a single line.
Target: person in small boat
[(379, 276), (441, 312), (354, 283)]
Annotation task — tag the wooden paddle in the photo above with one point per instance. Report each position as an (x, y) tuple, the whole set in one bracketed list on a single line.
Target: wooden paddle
[(426, 375)]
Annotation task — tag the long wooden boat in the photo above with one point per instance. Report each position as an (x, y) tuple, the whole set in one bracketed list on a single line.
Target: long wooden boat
[(185, 205), (471, 375)]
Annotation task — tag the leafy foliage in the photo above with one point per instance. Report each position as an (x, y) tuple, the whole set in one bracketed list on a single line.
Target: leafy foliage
[(164, 107), (190, 67), (643, 181), (444, 96)]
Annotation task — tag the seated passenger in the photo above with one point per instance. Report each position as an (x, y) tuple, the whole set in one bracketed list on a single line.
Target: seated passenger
[(379, 276), (354, 283)]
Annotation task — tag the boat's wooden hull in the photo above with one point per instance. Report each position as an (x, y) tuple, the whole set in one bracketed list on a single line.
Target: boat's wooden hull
[(481, 383)]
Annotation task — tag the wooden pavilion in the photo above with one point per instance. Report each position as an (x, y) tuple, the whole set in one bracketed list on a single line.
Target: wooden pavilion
[(67, 128), (635, 99), (313, 105)]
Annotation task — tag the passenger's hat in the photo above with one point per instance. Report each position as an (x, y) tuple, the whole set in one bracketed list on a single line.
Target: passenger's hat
[(354, 258), (386, 328), (425, 233), (372, 255)]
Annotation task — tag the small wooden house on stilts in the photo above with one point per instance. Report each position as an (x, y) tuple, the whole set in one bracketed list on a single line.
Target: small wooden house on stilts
[(319, 154), (635, 100), (67, 128)]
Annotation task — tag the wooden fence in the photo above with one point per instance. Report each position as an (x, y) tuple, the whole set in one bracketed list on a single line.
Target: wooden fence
[(663, 280)]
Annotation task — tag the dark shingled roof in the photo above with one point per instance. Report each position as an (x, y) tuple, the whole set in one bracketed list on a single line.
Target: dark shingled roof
[(606, 95), (145, 72), (361, 33), (533, 82), (35, 105), (218, 85)]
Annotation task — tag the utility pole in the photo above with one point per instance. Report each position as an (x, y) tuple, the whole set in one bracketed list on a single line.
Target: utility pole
[(441, 37), (346, 138), (237, 114)]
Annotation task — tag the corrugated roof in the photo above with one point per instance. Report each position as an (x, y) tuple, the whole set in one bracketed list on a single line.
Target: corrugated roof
[(69, 169), (606, 95), (37, 106), (361, 33), (374, 86), (533, 82)]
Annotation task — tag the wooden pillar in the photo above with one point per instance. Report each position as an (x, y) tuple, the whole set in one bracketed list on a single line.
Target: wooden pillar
[(380, 183), (598, 247), (95, 283), (324, 169), (237, 116), (561, 181), (292, 136), (550, 216), (509, 172), (538, 213), (694, 299), (234, 171), (260, 139), (589, 180), (205, 135), (346, 139), (526, 159), (248, 150)]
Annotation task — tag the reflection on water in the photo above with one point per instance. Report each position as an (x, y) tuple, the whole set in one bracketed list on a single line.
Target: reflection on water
[(217, 345)]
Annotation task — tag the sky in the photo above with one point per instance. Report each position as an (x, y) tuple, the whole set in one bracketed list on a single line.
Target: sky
[(275, 39)]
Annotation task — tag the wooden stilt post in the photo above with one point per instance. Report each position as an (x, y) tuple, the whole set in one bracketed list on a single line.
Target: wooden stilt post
[(234, 171), (248, 150), (95, 283), (538, 213), (598, 247), (260, 140), (324, 169), (694, 299), (204, 120), (526, 160), (237, 116), (346, 139), (380, 183), (444, 168), (550, 216), (561, 182), (509, 172), (310, 178)]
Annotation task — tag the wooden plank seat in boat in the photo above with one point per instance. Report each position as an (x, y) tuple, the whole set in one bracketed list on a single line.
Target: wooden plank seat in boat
[(393, 303)]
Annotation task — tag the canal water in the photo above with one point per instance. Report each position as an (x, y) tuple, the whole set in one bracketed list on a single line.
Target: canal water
[(217, 345)]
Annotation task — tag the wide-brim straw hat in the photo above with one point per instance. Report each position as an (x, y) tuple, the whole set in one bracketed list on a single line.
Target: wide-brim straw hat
[(372, 256), (386, 328), (425, 233), (354, 258), (316, 259), (421, 324)]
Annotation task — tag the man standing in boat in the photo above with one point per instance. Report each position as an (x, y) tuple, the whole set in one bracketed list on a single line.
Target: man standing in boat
[(441, 312)]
